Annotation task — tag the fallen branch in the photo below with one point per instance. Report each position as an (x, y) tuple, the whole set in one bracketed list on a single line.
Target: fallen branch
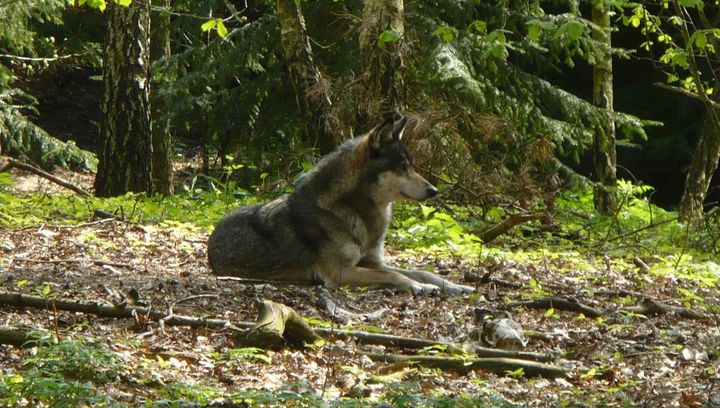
[(130, 312), (277, 325), (418, 343), (12, 163), (570, 305), (126, 312), (501, 366), (505, 226), (652, 307)]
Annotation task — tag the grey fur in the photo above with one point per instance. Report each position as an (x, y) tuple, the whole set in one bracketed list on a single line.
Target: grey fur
[(332, 228)]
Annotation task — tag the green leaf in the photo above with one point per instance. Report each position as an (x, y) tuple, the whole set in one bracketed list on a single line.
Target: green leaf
[(700, 39), (209, 25), (447, 34), (386, 37), (221, 29), (479, 26), (534, 33), (550, 312), (124, 3)]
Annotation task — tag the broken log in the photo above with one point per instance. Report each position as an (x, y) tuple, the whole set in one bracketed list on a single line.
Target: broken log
[(277, 325), (501, 366)]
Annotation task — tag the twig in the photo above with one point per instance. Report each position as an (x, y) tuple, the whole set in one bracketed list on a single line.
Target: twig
[(687, 93), (12, 163), (344, 315)]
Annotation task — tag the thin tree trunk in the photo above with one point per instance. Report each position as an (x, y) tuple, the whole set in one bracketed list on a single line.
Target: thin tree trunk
[(604, 154), (126, 149), (702, 167), (312, 91), (381, 66), (162, 159)]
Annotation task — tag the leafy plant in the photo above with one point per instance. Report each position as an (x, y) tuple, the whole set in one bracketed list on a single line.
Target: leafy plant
[(62, 375)]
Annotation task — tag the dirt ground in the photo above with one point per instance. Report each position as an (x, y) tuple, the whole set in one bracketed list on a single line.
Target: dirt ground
[(664, 360)]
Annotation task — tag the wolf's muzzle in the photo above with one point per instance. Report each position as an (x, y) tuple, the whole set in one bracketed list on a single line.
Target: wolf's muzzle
[(431, 191)]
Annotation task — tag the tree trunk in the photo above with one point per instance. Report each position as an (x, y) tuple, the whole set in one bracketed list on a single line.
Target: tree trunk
[(604, 154), (126, 141), (312, 91), (162, 157), (702, 167), (385, 93)]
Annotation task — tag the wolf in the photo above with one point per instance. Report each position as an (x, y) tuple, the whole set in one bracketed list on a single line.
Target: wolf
[(331, 230)]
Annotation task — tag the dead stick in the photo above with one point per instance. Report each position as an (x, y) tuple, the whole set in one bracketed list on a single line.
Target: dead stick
[(651, 307), (557, 303), (505, 226), (57, 180), (500, 366)]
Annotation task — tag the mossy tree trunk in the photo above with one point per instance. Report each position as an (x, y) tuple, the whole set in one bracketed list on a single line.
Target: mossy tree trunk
[(381, 61), (126, 138), (312, 91), (604, 154), (162, 144)]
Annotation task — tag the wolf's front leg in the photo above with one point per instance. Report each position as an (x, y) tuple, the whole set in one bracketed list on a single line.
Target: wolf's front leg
[(432, 279), (357, 276)]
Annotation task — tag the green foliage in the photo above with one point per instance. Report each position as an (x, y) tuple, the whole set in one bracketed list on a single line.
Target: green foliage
[(190, 209), (676, 34), (19, 137), (432, 229), (62, 375)]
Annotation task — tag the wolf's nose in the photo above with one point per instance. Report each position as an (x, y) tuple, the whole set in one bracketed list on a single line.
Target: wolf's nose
[(431, 191)]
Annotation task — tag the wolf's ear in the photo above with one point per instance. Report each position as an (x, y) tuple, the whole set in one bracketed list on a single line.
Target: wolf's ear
[(399, 128), (381, 135)]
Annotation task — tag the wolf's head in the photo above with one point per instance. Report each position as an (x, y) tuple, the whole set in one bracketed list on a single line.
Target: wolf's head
[(390, 166)]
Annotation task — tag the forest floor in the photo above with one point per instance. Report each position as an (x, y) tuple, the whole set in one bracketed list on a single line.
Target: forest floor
[(621, 358)]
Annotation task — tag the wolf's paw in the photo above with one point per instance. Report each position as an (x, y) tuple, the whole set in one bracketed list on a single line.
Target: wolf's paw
[(418, 288)]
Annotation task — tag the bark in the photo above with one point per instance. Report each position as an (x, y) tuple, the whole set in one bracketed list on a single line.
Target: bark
[(162, 144), (126, 138), (312, 91), (604, 154), (381, 67)]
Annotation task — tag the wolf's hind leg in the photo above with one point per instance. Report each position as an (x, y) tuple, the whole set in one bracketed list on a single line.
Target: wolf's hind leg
[(432, 279)]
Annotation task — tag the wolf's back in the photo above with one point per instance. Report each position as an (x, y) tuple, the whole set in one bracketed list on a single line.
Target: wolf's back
[(259, 242)]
